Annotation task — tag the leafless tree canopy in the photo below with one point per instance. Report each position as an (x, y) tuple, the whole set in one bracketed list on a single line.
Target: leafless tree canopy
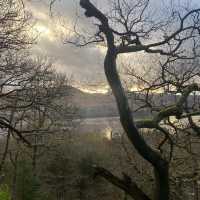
[(31, 92), (14, 22), (129, 27)]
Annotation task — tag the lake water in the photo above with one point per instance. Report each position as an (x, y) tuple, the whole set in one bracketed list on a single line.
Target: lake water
[(107, 124)]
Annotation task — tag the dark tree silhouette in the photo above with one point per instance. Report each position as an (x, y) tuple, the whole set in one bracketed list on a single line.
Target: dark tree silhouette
[(126, 29)]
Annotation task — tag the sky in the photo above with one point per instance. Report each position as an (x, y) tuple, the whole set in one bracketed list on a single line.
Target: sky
[(83, 65)]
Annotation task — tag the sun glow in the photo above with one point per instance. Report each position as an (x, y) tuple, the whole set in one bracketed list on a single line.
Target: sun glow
[(94, 91), (108, 133), (52, 31), (106, 89), (134, 89), (41, 29), (140, 89)]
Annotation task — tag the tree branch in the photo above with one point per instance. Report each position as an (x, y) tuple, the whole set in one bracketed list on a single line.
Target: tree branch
[(126, 119), (125, 184)]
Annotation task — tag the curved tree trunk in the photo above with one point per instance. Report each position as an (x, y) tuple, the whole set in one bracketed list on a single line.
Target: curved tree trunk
[(160, 165)]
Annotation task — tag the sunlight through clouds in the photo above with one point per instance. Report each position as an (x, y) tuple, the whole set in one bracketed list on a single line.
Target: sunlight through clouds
[(52, 34), (102, 90)]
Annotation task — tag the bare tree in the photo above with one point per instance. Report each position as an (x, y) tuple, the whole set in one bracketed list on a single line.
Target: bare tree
[(172, 94), (32, 95), (32, 102), (15, 24), (128, 28), (14, 37)]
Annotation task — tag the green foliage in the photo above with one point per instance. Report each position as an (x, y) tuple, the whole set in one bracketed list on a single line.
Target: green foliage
[(28, 185), (5, 193), (85, 165)]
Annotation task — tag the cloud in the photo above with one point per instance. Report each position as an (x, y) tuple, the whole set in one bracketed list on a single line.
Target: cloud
[(84, 64)]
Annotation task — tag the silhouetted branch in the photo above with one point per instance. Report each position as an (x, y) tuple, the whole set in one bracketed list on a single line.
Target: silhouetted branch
[(126, 184)]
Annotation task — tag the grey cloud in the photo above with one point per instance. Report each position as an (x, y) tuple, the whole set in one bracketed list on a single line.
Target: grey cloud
[(84, 63), (81, 63)]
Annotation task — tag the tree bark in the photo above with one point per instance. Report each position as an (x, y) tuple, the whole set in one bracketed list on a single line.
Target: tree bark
[(129, 186), (160, 165)]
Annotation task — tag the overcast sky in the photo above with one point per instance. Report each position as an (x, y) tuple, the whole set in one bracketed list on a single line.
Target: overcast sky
[(85, 65)]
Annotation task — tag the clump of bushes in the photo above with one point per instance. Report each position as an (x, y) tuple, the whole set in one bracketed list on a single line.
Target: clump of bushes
[(5, 193)]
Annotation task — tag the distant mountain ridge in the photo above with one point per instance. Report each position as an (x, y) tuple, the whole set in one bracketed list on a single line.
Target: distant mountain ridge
[(104, 105), (93, 105)]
